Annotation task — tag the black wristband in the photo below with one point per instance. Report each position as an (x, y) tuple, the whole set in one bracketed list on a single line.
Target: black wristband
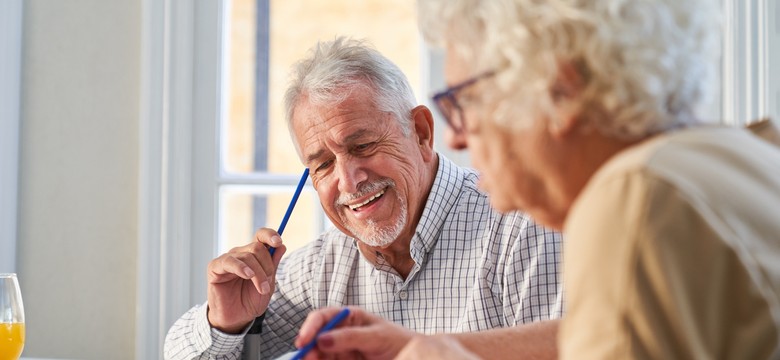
[(257, 327)]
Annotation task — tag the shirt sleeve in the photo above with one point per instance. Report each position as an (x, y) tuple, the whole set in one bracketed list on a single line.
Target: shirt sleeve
[(191, 337), (532, 286), (600, 240), (650, 279)]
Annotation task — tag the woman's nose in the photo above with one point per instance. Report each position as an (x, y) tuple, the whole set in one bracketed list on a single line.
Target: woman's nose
[(455, 140)]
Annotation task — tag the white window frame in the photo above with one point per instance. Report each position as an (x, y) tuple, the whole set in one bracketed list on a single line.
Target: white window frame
[(10, 95), (746, 87), (179, 170), (179, 105)]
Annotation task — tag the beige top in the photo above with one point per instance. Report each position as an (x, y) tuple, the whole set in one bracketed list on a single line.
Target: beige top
[(672, 251)]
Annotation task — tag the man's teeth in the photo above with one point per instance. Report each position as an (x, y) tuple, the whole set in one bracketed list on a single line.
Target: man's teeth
[(353, 207)]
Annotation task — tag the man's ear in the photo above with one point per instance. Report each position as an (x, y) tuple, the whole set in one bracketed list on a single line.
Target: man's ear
[(566, 96), (422, 120)]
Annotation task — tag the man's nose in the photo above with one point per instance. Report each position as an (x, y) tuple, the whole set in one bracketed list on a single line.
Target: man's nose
[(350, 174)]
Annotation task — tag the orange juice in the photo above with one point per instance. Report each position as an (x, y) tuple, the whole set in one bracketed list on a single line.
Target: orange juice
[(11, 340)]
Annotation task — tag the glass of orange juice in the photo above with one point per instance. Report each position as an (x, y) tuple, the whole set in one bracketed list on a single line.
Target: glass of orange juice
[(11, 318)]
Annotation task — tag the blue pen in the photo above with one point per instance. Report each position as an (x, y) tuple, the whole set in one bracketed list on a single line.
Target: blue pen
[(291, 206), (330, 325)]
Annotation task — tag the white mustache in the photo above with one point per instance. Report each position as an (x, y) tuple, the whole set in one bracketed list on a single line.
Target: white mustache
[(365, 189)]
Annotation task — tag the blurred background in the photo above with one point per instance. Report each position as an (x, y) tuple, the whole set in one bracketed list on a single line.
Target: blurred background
[(141, 138)]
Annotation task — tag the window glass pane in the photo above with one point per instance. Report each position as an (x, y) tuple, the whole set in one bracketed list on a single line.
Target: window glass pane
[(240, 205), (238, 127)]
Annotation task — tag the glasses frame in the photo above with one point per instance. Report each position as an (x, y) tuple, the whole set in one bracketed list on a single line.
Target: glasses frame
[(441, 99)]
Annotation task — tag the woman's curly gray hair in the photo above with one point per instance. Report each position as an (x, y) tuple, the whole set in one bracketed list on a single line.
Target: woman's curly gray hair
[(646, 65)]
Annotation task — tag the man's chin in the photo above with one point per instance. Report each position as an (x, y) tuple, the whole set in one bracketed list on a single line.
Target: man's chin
[(378, 234), (374, 242), (376, 237)]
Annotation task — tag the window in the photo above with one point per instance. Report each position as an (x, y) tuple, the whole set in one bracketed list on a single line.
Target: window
[(751, 42)]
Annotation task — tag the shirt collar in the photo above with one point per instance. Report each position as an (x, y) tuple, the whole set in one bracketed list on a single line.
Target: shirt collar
[(442, 197)]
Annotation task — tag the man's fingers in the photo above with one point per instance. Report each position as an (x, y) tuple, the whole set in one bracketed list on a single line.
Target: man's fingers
[(229, 264), (268, 237), (264, 239), (278, 256), (260, 278), (250, 262), (244, 265)]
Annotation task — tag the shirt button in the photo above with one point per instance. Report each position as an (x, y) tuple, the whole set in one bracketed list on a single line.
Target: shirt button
[(403, 295)]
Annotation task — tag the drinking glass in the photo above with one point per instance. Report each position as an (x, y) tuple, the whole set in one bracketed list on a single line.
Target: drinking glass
[(11, 318)]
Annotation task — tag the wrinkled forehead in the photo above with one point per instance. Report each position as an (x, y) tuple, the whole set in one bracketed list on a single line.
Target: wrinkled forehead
[(312, 109), (339, 123)]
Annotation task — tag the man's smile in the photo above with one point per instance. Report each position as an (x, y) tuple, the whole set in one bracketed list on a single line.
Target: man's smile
[(356, 207)]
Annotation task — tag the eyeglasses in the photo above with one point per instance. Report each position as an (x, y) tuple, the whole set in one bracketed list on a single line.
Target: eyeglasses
[(447, 103)]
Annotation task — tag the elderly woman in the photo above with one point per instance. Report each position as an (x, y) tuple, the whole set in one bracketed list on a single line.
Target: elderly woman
[(584, 113)]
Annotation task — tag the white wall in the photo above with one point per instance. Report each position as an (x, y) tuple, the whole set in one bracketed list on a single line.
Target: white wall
[(78, 185), (10, 78)]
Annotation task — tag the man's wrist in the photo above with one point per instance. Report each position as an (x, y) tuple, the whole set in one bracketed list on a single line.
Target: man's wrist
[(235, 329)]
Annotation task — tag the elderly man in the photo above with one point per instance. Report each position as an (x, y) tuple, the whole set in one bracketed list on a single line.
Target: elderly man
[(585, 114), (415, 240)]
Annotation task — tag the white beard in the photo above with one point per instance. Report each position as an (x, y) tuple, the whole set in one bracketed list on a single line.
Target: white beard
[(375, 236), (372, 234)]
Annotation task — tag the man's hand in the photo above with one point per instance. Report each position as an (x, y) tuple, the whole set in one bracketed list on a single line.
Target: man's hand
[(241, 282), (435, 347), (360, 336)]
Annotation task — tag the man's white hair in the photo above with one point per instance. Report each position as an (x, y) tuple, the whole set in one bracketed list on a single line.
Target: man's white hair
[(332, 70), (646, 64)]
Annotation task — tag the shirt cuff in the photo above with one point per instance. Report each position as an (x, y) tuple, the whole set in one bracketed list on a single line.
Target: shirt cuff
[(216, 341)]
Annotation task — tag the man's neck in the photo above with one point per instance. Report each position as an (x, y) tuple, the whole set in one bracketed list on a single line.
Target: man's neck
[(397, 255)]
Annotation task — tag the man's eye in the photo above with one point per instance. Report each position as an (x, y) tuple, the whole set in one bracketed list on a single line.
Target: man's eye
[(324, 165), (363, 147)]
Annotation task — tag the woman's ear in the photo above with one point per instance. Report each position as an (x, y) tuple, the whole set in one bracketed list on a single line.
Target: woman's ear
[(566, 95), (422, 120)]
